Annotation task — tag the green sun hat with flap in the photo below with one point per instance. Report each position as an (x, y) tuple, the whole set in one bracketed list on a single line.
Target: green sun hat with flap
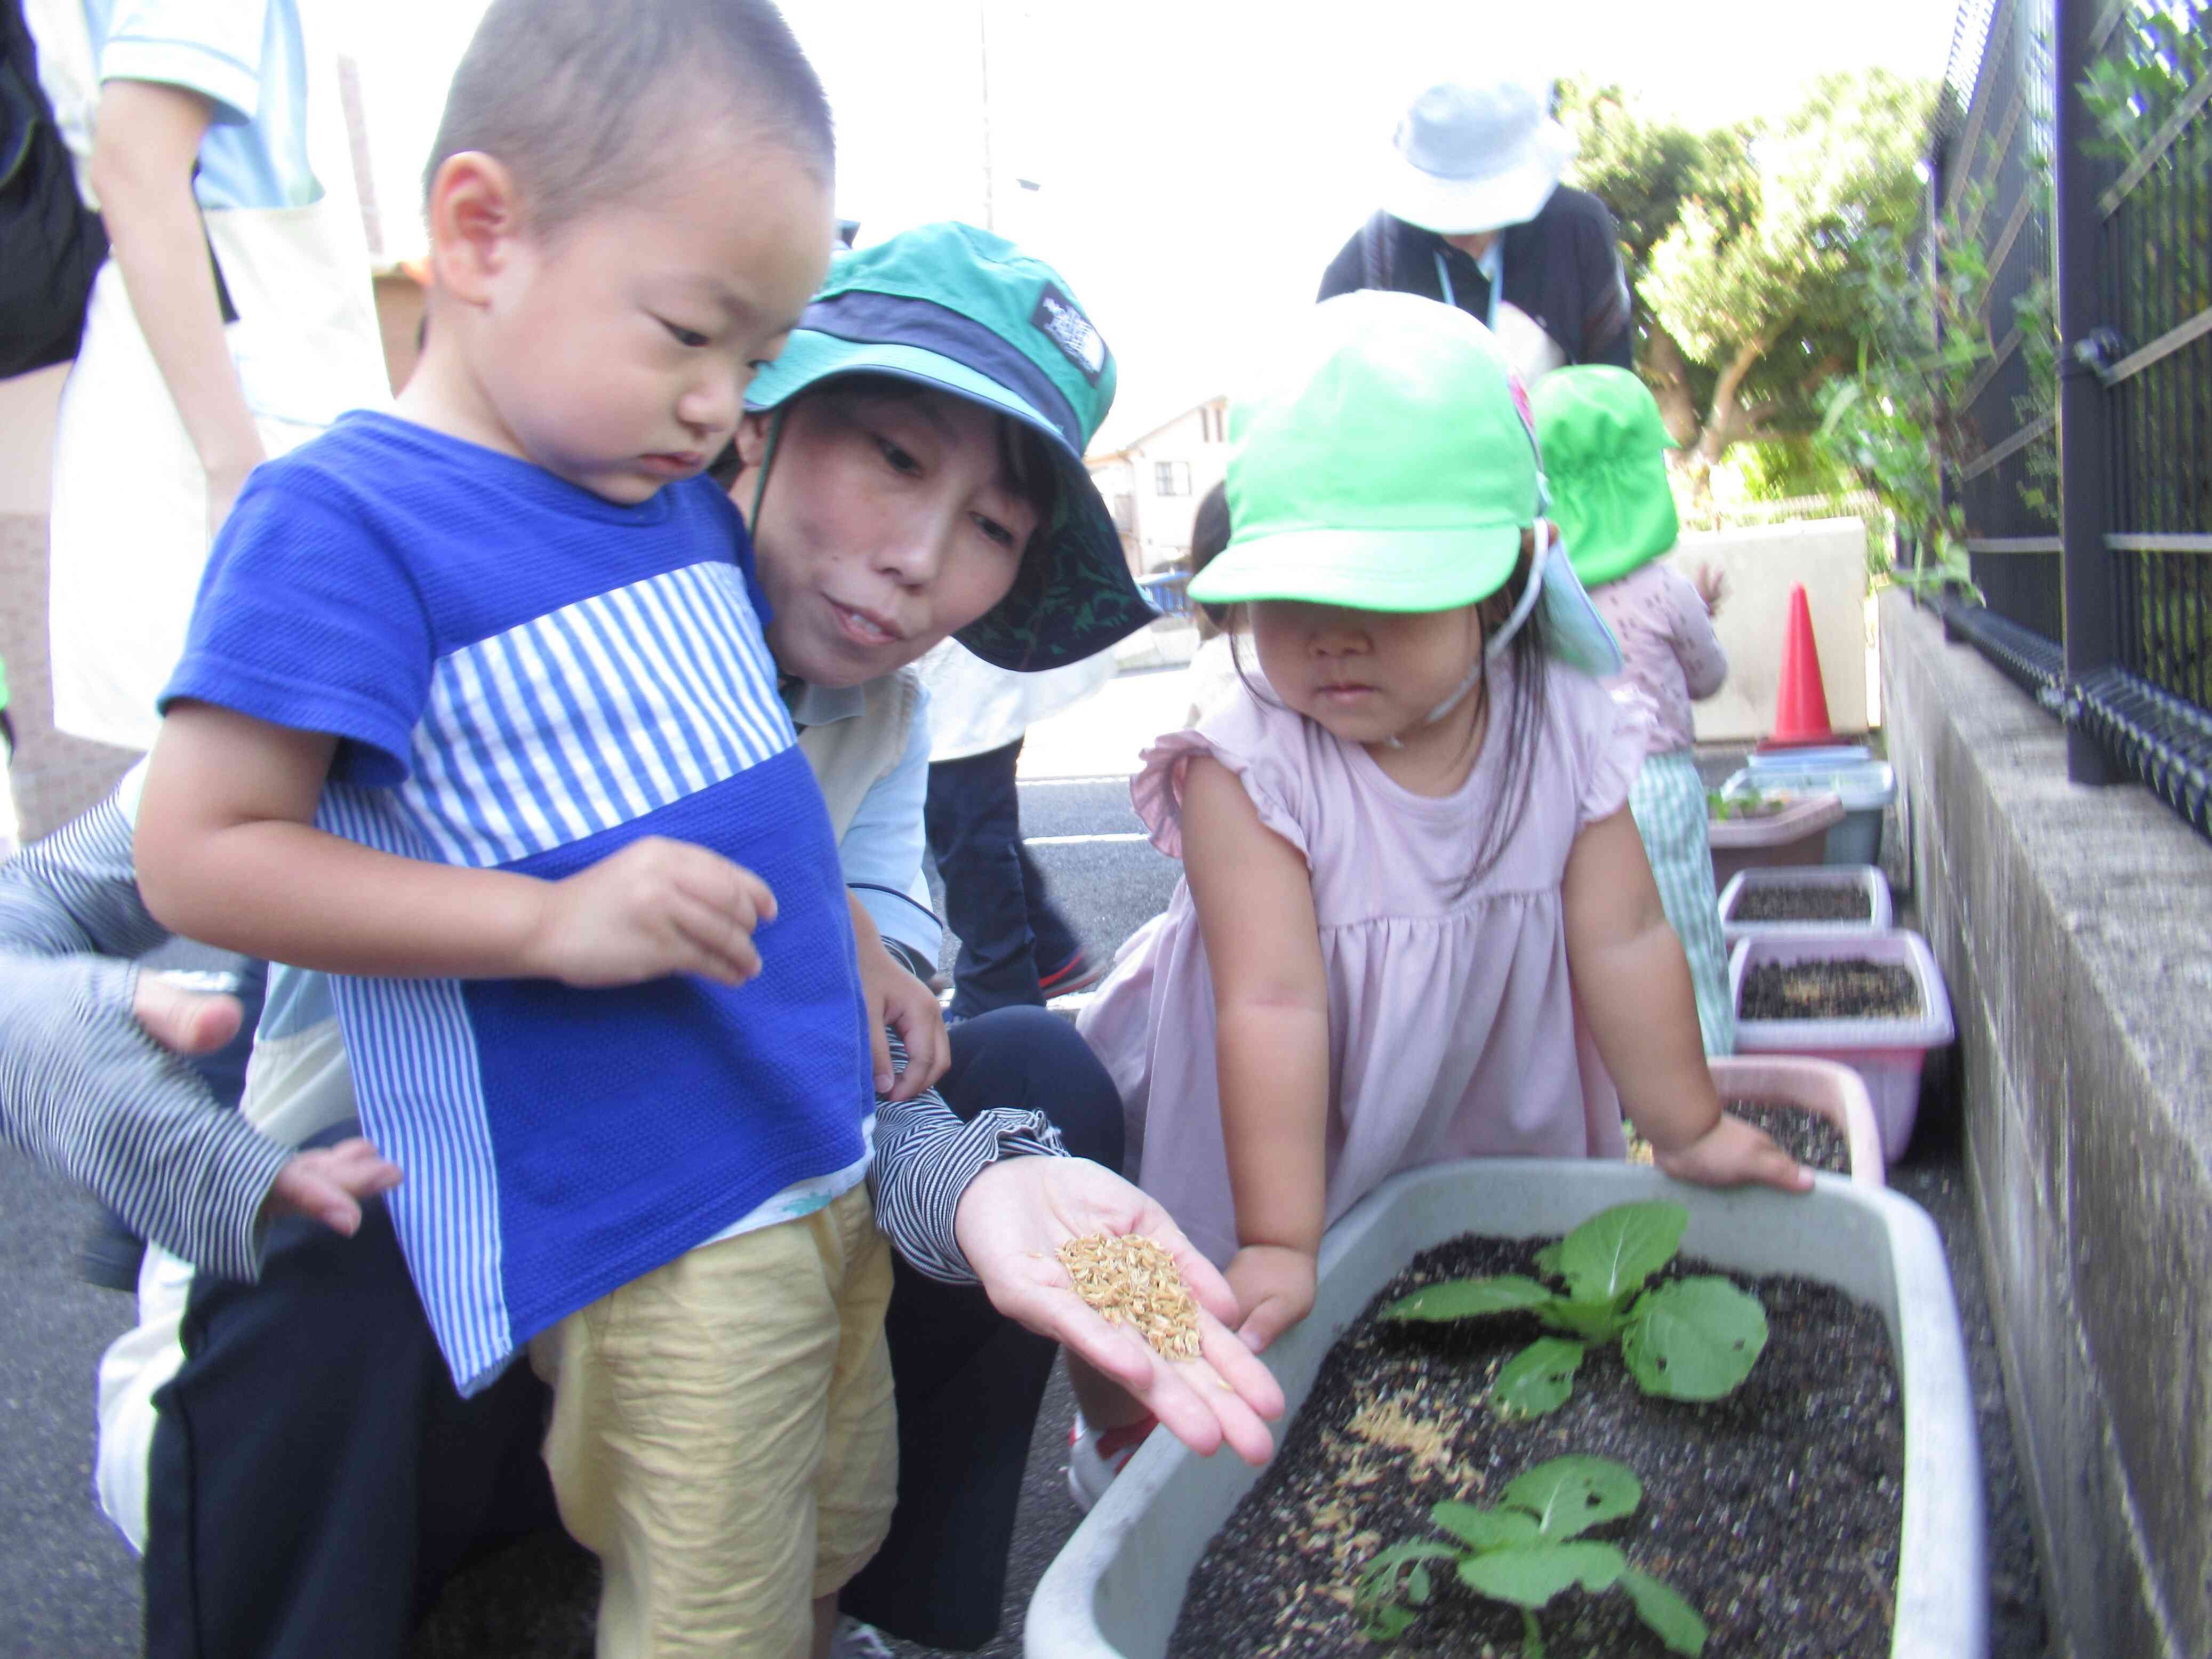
[(1391, 464), (1605, 449), (959, 309)]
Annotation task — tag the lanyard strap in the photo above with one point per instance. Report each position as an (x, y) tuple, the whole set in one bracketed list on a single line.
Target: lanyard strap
[(1497, 278)]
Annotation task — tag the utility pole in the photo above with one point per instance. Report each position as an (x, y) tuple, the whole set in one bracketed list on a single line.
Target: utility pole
[(983, 50)]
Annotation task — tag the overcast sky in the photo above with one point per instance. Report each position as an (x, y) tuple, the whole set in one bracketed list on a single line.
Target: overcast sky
[(1197, 161)]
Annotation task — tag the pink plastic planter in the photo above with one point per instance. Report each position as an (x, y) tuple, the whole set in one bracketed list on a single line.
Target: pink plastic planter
[(1867, 878), (1887, 1053), (1833, 1091), (1798, 833)]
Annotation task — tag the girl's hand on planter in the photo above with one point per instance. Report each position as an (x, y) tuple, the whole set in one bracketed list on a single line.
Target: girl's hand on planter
[(1012, 1221), (1734, 1154), (1274, 1287)]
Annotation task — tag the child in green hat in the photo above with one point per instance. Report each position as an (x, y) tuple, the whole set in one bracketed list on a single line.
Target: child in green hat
[(1604, 447), (1416, 922)]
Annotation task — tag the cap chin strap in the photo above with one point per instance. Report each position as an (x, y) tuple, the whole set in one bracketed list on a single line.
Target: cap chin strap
[(1491, 647), (768, 460)]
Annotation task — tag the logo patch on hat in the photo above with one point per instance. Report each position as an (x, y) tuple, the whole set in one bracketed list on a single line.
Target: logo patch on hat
[(1072, 331)]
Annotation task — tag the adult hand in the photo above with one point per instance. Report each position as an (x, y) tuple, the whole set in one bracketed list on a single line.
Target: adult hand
[(1712, 583), (326, 1184), (1274, 1287), (1010, 1225), (223, 483), (1732, 1153), (896, 999), (185, 1022)]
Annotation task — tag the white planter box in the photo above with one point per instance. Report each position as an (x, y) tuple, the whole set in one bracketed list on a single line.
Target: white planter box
[(1867, 877), (1115, 1591), (1833, 1091), (1887, 1053)]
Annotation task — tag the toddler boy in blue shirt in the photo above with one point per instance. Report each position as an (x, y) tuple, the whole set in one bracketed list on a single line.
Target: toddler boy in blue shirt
[(476, 714)]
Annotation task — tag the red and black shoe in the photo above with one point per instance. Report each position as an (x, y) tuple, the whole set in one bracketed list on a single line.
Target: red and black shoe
[(1078, 973)]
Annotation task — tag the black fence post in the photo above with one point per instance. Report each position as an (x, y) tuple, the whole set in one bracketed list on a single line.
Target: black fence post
[(2084, 404)]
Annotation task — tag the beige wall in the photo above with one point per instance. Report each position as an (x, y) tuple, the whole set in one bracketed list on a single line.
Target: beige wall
[(1829, 557)]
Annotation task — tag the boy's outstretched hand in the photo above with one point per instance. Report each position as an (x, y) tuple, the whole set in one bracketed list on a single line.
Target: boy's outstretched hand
[(1732, 1153), (1011, 1223), (659, 907)]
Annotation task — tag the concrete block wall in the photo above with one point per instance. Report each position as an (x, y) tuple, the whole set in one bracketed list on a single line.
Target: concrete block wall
[(2074, 927)]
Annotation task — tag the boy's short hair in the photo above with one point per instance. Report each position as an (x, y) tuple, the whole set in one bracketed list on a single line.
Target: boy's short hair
[(577, 96)]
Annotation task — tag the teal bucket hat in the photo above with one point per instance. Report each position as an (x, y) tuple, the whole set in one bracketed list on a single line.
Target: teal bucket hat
[(1605, 450), (956, 308), (1391, 466)]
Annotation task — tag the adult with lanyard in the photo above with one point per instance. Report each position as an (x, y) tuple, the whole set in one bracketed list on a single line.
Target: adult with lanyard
[(892, 459), (1473, 214)]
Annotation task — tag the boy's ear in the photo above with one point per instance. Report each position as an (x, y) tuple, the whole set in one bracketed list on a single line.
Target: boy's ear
[(475, 220)]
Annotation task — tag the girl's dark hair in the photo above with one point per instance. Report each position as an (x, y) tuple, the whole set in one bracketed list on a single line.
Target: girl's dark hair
[(1026, 454), (578, 97), (1209, 534), (1524, 720)]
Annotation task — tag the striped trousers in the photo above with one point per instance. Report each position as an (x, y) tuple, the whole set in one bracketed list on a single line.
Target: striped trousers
[(1668, 802)]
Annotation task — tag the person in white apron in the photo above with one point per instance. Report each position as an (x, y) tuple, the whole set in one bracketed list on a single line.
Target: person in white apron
[(215, 133)]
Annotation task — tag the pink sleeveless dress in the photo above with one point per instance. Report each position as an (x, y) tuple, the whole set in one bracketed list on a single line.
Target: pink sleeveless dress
[(1453, 1026)]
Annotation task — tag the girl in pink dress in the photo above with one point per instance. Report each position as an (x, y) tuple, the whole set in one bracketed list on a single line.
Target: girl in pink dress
[(1416, 922)]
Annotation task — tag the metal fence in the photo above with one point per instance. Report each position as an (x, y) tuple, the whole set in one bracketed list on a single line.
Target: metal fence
[(2073, 144)]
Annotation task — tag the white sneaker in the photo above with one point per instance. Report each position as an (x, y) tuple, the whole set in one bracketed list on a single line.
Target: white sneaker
[(854, 1640), (1094, 1456)]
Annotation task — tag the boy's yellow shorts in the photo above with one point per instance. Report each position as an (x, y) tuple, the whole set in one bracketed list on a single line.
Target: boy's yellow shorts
[(723, 1435)]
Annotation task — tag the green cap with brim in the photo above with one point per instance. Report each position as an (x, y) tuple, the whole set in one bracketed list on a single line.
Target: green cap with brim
[(1391, 465), (1605, 451), (956, 308)]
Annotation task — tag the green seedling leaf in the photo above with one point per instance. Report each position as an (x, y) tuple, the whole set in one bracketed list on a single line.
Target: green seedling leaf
[(1376, 1597), (1532, 1639), (1547, 1260), (1593, 1322), (1672, 1619), (1484, 1530), (1464, 1298), (1538, 1379), (1696, 1338), (1617, 1249), (1387, 1622), (1571, 1495), (1530, 1578)]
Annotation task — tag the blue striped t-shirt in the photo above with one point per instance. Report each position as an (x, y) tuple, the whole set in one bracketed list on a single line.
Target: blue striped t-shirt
[(524, 677)]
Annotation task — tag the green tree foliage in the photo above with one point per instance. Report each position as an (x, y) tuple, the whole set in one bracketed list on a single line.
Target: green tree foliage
[(1745, 243)]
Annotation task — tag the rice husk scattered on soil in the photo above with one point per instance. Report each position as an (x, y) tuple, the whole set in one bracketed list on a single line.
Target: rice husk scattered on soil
[(1776, 1512), (1132, 1281), (1845, 988), (1803, 902)]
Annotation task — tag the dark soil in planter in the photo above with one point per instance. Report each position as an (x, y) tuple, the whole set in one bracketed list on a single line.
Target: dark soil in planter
[(1810, 1139), (1803, 902), (1774, 1512), (1846, 988)]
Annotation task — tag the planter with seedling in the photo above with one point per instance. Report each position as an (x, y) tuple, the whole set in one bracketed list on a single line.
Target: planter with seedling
[(1834, 1493)]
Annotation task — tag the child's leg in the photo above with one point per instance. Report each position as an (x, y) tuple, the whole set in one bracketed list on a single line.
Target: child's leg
[(691, 1436), (1668, 801)]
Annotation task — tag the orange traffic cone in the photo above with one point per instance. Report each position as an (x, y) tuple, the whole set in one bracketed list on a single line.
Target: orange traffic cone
[(1801, 706)]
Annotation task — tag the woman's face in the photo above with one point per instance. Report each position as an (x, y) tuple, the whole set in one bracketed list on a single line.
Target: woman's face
[(889, 522)]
